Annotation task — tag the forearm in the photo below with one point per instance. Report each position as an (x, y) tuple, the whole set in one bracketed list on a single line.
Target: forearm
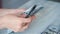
[(4, 11)]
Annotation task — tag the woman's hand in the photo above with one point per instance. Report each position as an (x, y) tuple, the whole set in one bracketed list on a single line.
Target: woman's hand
[(11, 21)]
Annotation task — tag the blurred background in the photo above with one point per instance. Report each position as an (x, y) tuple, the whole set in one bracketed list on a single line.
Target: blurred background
[(15, 3), (12, 3)]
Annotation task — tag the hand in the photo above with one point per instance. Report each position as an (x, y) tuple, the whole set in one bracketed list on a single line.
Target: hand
[(17, 24)]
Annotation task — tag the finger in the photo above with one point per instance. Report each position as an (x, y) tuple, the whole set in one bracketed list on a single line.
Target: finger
[(17, 11), (25, 21), (24, 27)]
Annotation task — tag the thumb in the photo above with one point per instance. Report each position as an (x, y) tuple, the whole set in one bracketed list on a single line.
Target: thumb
[(16, 11)]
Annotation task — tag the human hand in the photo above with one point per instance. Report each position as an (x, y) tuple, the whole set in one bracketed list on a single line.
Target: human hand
[(15, 23)]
